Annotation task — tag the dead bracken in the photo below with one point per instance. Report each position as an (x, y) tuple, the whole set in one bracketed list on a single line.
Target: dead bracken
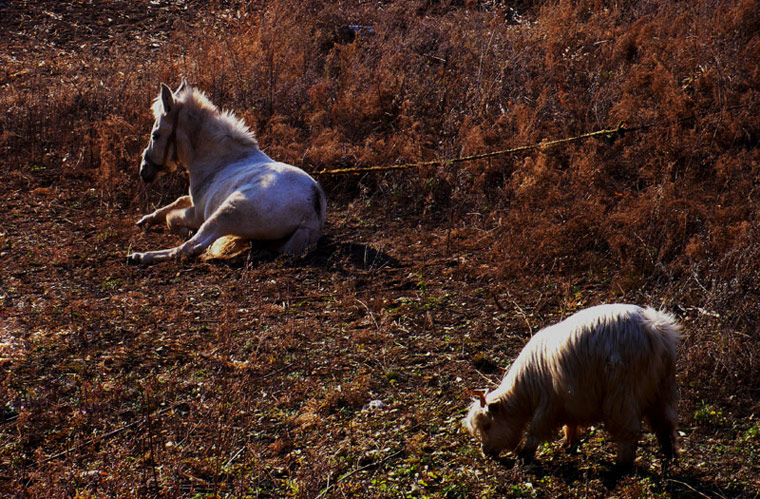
[(260, 375)]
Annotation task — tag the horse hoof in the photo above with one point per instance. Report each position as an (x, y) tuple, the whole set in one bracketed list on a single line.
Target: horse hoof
[(136, 258)]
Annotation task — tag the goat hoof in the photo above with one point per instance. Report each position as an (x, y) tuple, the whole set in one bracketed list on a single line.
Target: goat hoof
[(146, 220), (526, 457)]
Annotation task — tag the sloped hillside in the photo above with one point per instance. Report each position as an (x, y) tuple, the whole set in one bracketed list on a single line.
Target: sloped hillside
[(346, 372)]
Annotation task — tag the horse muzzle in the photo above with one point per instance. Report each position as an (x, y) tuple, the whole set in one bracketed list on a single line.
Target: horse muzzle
[(148, 170)]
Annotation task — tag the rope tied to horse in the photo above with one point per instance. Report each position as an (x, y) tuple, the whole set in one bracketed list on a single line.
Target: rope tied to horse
[(610, 134)]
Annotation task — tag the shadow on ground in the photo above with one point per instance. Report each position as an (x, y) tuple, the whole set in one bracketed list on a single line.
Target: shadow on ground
[(329, 254), (677, 482)]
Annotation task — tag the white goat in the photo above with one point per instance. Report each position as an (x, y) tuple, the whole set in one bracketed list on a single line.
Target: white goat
[(610, 363)]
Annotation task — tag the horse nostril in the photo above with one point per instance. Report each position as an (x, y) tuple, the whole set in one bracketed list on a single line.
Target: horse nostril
[(147, 173)]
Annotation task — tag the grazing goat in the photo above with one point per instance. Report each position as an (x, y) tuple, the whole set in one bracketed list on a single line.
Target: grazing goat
[(611, 363)]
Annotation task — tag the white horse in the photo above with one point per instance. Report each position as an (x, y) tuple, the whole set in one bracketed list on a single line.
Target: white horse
[(235, 189)]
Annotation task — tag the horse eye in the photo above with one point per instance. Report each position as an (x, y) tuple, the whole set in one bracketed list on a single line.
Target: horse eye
[(156, 135)]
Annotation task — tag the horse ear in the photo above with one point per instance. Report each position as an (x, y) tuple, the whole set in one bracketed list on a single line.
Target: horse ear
[(167, 98)]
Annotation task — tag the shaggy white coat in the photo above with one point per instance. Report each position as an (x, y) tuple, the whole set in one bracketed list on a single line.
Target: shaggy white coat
[(611, 363), (235, 189)]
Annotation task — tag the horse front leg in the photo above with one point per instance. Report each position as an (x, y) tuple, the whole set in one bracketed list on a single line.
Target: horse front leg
[(184, 221), (159, 216), (209, 231)]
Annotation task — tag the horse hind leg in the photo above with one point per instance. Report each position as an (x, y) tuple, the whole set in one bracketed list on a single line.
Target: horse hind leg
[(210, 231), (300, 241)]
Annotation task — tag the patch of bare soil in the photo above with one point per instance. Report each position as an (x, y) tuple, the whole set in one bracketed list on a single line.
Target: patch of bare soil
[(48, 29), (342, 372), (72, 26)]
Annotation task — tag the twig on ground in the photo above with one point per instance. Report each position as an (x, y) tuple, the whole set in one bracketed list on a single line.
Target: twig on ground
[(691, 488), (354, 471), (111, 433), (234, 456)]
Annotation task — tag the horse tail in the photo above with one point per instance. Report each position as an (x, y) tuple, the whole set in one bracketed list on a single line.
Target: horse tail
[(319, 202), (226, 247), (307, 235)]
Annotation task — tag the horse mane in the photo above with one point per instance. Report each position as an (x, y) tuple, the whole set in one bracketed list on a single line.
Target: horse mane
[(223, 125)]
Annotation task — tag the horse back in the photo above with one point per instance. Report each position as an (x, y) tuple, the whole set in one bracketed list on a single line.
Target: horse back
[(262, 183)]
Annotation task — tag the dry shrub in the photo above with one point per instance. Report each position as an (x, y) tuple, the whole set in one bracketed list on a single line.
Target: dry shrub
[(434, 80)]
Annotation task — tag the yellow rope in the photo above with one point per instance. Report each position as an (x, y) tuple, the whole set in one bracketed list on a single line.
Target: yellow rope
[(620, 130), (612, 132)]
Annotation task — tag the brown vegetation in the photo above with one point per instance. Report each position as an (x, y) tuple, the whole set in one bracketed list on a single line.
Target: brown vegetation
[(254, 376)]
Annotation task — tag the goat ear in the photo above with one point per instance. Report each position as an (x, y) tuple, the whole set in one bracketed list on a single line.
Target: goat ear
[(478, 394), (183, 85), (167, 99)]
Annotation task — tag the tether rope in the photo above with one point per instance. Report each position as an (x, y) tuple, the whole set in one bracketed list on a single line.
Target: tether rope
[(610, 133)]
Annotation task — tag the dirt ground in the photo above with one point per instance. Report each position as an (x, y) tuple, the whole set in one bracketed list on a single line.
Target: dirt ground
[(341, 373)]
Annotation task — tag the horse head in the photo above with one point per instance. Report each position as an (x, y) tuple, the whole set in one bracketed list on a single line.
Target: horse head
[(161, 152)]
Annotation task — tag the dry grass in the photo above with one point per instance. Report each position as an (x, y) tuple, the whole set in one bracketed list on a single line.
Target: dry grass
[(254, 376)]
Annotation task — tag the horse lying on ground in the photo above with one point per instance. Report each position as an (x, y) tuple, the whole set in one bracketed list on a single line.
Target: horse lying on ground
[(235, 189)]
